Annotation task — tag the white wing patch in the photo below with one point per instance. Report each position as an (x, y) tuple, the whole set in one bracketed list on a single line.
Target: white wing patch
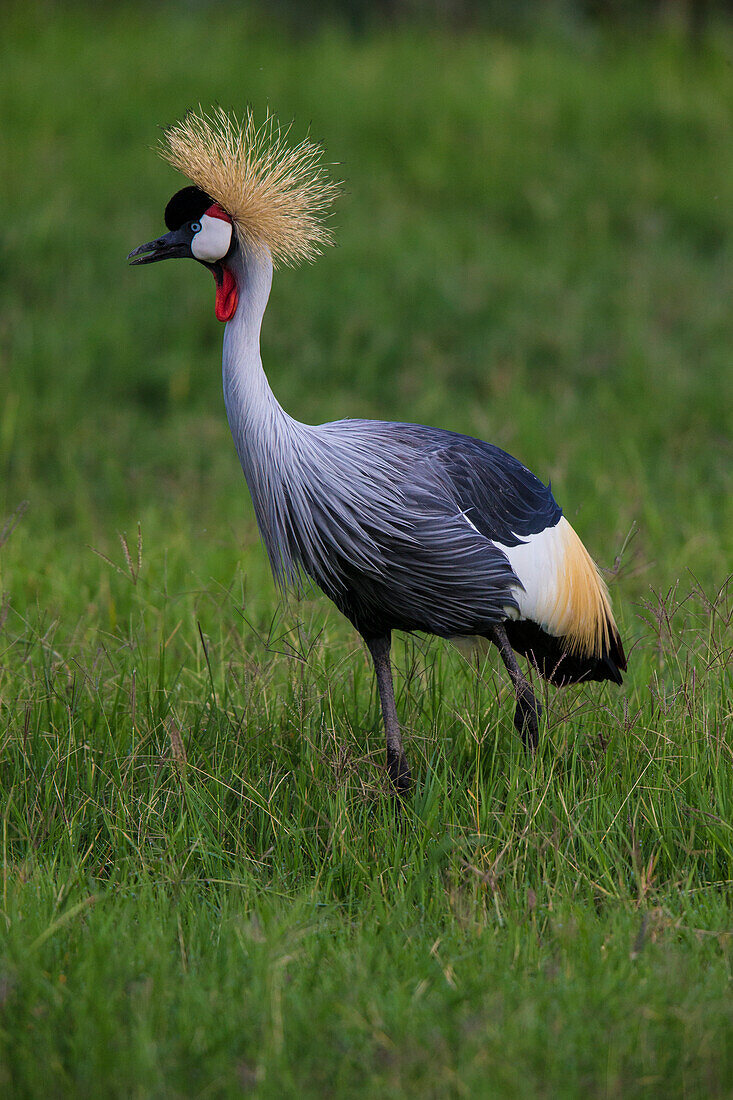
[(563, 591), (537, 562)]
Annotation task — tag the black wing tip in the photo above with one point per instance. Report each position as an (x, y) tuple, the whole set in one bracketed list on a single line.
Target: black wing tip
[(613, 672), (615, 656), (556, 664)]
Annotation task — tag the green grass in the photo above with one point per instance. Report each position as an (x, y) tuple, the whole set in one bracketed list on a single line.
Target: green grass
[(203, 891)]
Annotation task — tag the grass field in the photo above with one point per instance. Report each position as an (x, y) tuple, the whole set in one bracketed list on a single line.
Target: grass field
[(203, 892)]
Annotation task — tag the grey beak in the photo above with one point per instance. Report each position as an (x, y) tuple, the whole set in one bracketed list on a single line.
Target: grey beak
[(175, 245)]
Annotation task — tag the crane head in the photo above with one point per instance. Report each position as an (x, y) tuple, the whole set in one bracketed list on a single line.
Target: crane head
[(199, 230)]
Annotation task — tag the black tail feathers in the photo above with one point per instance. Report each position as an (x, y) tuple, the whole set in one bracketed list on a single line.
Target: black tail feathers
[(559, 667)]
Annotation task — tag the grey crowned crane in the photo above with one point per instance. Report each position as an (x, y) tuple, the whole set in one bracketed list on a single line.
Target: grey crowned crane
[(404, 527)]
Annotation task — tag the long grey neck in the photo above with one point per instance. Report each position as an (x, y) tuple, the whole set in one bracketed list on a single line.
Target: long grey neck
[(314, 489), (264, 435), (250, 402)]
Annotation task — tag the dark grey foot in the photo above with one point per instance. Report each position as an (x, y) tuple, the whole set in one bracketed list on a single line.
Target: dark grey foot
[(527, 719), (399, 773)]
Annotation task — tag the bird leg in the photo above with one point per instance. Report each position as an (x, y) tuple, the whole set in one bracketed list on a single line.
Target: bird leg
[(528, 712), (397, 766)]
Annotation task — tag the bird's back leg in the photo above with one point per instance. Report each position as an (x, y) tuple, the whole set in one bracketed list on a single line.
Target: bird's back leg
[(397, 766), (528, 713)]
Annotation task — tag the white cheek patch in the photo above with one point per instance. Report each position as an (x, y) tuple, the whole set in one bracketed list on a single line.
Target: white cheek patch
[(212, 241)]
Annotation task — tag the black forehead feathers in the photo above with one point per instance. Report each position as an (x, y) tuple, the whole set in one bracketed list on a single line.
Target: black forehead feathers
[(187, 205)]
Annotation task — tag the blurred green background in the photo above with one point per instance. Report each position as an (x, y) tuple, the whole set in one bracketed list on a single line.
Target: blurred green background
[(533, 246)]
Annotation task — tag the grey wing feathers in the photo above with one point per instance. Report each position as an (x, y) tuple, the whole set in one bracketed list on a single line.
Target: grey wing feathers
[(395, 521), (501, 496)]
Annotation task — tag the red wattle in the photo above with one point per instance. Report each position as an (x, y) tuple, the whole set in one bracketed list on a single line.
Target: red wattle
[(216, 211), (227, 296)]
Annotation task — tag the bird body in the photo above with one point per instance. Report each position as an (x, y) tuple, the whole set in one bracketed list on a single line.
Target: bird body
[(404, 527)]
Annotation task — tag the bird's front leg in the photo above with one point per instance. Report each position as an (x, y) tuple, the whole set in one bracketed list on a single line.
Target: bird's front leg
[(529, 712), (397, 766)]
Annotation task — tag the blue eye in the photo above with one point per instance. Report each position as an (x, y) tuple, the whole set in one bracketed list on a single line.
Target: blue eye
[(195, 227)]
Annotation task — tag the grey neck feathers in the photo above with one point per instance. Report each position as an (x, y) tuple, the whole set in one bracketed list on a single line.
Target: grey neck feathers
[(322, 495), (263, 432), (249, 400)]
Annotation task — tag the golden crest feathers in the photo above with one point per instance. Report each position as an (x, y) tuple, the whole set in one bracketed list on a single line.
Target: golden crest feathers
[(276, 195)]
